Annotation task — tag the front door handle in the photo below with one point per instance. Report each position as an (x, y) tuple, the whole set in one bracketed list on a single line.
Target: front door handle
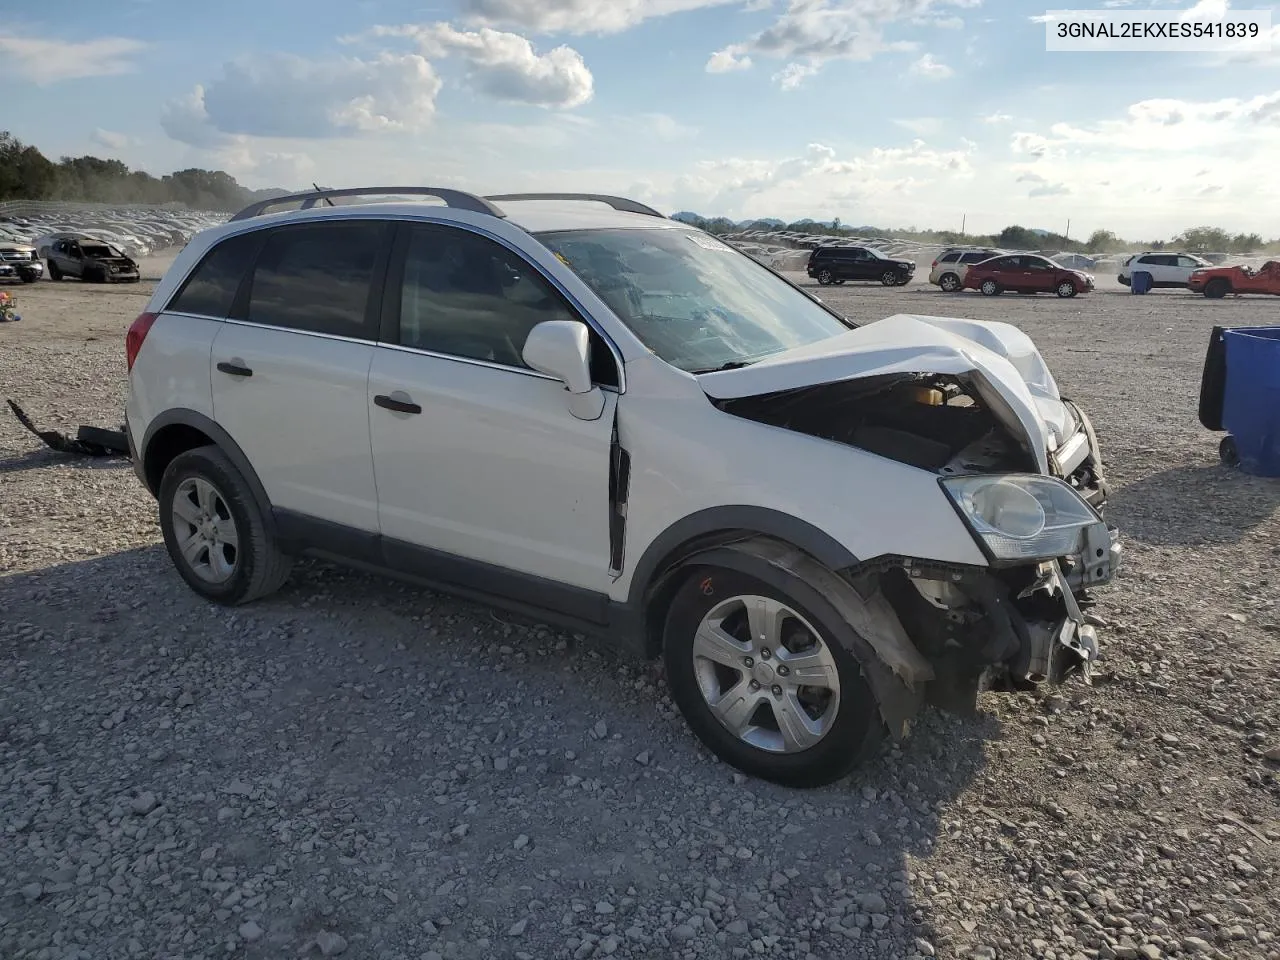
[(399, 406), (235, 369)]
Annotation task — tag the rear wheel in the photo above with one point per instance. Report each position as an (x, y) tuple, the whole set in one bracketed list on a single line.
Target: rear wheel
[(1217, 289), (989, 288), (1066, 289), (949, 282), (762, 673), (214, 531), (826, 277)]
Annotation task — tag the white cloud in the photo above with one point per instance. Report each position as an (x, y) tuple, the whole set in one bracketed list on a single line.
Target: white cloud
[(793, 75), (47, 61), (996, 118), (504, 65), (282, 95), (931, 68), (576, 16), (811, 32), (110, 139)]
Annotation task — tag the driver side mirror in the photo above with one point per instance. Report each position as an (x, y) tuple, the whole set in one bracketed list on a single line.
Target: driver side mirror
[(562, 349)]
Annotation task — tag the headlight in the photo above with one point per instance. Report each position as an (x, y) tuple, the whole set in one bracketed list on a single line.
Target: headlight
[(1022, 516)]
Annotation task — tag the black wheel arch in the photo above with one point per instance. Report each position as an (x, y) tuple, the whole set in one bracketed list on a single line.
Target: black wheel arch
[(656, 573), (178, 430)]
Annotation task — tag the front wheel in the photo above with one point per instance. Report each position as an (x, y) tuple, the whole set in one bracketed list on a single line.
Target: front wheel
[(949, 282), (989, 288), (1066, 289), (762, 675), (1217, 289), (214, 531), (889, 278), (55, 272)]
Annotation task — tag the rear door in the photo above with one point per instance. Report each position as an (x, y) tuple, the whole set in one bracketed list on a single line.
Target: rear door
[(290, 368)]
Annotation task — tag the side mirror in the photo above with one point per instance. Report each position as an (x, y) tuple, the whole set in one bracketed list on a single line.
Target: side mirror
[(562, 349)]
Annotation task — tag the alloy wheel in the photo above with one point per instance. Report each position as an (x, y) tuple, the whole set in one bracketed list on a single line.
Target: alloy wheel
[(206, 531)]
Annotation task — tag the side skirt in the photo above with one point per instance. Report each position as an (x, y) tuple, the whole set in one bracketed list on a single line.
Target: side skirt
[(572, 608)]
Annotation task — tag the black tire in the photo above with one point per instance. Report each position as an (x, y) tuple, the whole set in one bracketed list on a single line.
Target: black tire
[(1217, 288), (28, 277), (55, 272), (260, 568), (950, 283), (990, 288), (856, 729), (1228, 452), (889, 278), (1066, 289), (826, 277)]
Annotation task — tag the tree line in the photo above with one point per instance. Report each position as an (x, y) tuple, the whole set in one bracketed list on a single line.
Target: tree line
[(27, 174)]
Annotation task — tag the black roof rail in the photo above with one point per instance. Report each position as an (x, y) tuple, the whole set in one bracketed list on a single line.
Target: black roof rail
[(621, 204), (457, 199)]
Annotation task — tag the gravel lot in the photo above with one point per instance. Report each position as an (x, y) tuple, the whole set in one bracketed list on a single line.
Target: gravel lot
[(361, 769)]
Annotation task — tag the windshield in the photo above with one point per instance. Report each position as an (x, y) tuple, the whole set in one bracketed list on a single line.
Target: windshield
[(697, 303)]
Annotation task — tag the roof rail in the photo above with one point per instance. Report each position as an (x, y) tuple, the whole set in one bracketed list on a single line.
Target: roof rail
[(452, 198), (618, 203)]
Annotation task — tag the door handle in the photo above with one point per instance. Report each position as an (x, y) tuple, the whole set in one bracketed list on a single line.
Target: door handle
[(235, 369), (399, 406)]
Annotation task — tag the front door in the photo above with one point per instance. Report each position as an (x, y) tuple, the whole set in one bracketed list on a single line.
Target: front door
[(290, 369), (483, 474)]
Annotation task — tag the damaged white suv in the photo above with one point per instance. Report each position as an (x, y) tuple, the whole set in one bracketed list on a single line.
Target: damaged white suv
[(576, 408)]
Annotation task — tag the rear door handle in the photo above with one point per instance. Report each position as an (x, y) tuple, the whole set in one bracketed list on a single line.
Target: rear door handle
[(235, 369), (399, 406)]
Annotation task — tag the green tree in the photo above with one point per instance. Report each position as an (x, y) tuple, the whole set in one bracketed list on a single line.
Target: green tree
[(1102, 241), (1210, 239), (1019, 238)]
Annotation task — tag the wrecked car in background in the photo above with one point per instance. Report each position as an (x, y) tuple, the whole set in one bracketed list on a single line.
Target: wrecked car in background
[(630, 429), (19, 261), (92, 260)]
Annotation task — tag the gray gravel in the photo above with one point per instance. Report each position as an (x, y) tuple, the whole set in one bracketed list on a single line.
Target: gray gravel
[(355, 768)]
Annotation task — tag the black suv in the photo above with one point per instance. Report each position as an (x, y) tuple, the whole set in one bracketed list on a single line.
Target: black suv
[(837, 264), (90, 259)]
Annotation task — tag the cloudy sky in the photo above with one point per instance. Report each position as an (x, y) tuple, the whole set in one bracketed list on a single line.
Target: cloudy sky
[(888, 112)]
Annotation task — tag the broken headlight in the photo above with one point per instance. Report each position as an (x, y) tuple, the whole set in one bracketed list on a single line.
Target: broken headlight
[(1022, 516)]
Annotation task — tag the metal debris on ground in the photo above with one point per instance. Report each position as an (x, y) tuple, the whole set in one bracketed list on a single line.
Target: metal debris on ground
[(89, 441)]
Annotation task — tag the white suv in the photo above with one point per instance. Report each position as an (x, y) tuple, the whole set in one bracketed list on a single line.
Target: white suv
[(952, 264), (1166, 269), (574, 407)]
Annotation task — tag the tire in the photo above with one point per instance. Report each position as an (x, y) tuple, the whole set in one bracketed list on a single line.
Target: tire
[(55, 273), (889, 278), (826, 278), (28, 277), (1228, 452), (989, 288), (255, 567), (1066, 289), (1217, 288), (847, 729), (950, 283)]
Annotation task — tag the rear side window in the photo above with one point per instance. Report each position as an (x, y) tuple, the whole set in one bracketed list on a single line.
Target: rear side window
[(317, 278), (950, 258), (212, 286), (974, 257)]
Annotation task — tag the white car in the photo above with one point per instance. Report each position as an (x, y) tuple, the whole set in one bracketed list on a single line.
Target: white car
[(1166, 269), (953, 263), (604, 418)]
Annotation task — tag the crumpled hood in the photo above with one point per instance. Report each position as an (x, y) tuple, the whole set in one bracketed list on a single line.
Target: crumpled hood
[(1003, 360)]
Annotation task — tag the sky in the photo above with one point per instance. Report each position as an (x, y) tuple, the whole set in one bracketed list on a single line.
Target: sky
[(896, 113)]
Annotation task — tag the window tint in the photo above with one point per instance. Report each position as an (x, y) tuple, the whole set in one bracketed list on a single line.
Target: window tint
[(950, 258), (1037, 263), (974, 257), (466, 296), (316, 277), (211, 288)]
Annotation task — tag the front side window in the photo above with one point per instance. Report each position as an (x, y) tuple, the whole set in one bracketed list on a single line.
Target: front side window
[(464, 295), (696, 302), (212, 286), (317, 277)]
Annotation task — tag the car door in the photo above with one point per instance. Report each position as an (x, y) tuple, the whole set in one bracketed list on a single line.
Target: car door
[(1186, 267), (290, 370), (1039, 274), (862, 266), (483, 474)]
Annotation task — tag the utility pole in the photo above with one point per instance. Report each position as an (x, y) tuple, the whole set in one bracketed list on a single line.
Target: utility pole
[(1067, 235), (963, 218)]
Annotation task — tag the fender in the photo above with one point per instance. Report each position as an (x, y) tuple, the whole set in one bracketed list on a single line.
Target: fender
[(180, 416), (752, 521)]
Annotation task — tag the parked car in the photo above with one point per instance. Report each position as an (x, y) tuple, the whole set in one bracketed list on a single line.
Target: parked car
[(1217, 282), (1026, 273), (19, 261), (1166, 269), (948, 270), (830, 265), (91, 259), (615, 422)]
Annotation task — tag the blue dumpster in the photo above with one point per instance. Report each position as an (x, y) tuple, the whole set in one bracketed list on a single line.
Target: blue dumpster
[(1251, 399), (1140, 282)]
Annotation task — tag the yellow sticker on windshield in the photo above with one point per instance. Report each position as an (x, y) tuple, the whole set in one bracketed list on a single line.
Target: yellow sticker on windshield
[(561, 257)]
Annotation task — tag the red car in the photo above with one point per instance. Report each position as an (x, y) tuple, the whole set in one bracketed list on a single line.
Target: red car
[(1026, 273), (1217, 282)]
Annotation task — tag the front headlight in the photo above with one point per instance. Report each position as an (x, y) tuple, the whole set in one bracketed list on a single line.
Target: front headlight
[(1019, 517)]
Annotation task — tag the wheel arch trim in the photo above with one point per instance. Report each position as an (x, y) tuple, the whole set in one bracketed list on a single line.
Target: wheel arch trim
[(182, 417)]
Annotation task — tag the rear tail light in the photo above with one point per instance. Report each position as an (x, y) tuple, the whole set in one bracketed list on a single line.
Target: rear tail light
[(137, 333), (932, 265)]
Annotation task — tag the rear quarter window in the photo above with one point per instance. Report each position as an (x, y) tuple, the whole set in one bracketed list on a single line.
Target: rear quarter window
[(212, 286)]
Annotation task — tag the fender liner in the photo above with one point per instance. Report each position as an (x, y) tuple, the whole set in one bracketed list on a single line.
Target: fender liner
[(181, 416), (752, 521), (895, 669)]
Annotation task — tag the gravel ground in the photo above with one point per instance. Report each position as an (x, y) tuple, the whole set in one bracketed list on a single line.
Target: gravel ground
[(361, 769)]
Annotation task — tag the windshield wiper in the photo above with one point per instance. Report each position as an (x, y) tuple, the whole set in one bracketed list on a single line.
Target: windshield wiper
[(731, 365)]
